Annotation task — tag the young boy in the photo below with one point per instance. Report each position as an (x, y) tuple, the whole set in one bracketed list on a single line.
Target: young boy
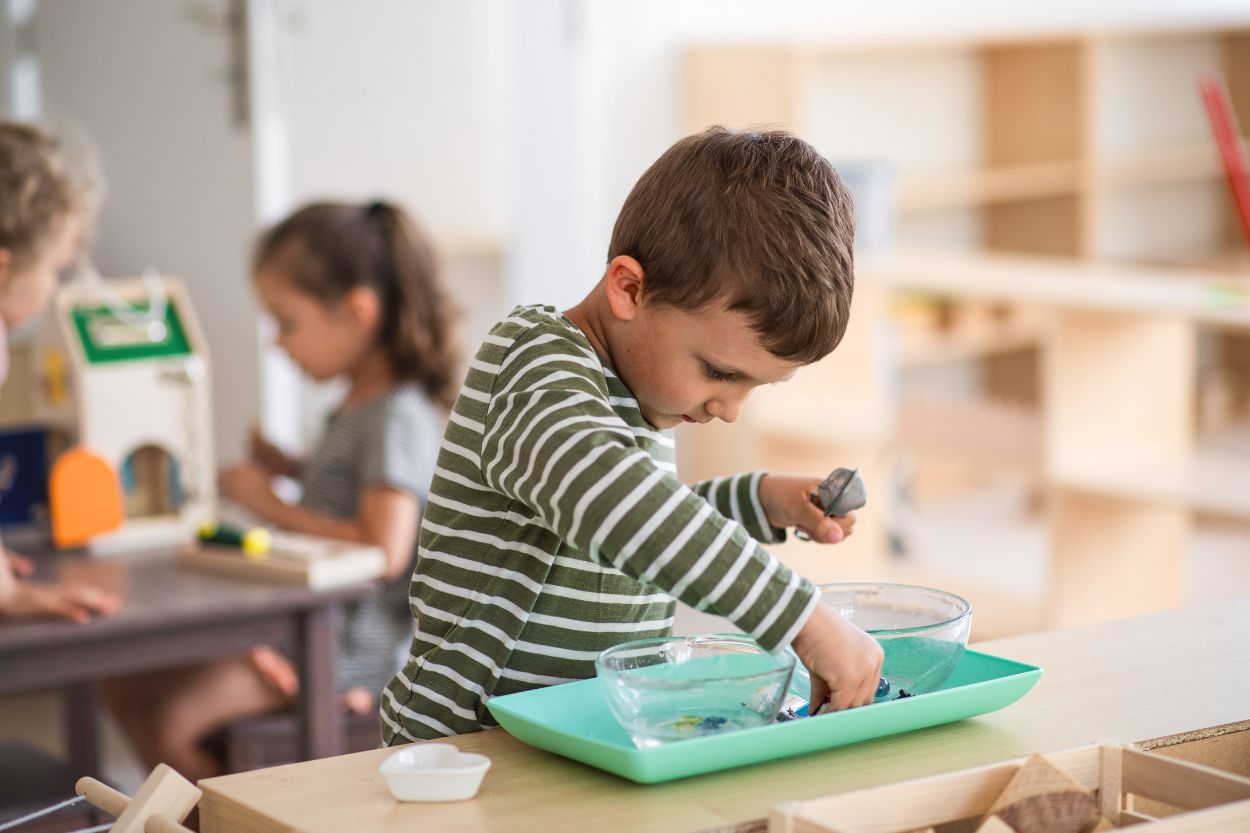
[(556, 526)]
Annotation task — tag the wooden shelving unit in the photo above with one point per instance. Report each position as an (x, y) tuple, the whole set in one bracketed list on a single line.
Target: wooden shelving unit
[(1035, 176)]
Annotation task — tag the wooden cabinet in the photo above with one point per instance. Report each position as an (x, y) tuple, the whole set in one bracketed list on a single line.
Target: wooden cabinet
[(1053, 194)]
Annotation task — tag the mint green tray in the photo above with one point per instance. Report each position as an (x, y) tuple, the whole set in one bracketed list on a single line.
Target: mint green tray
[(573, 720)]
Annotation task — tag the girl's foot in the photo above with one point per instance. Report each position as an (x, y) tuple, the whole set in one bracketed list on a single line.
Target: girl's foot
[(275, 670)]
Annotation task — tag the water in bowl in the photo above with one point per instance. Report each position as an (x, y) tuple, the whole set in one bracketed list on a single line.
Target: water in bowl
[(670, 702), (917, 664), (655, 726)]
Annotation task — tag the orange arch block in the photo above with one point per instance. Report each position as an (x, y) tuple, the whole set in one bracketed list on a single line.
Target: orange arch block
[(84, 498)]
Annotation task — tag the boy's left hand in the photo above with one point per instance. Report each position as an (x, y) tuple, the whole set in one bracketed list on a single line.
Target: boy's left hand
[(250, 486), (787, 502)]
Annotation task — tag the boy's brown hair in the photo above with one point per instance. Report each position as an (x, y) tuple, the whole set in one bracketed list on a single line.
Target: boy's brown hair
[(40, 188), (758, 221)]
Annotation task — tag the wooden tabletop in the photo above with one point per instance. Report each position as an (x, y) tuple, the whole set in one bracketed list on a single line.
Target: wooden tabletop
[(172, 617), (158, 598), (1131, 680)]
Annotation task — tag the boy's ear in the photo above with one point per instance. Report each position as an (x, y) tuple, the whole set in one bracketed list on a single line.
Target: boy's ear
[(363, 306), (6, 261), (623, 283)]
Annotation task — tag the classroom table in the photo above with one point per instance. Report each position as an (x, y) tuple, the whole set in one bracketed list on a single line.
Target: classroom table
[(171, 616), (1178, 677)]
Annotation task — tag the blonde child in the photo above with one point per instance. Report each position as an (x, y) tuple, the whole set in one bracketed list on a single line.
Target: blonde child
[(45, 207), (355, 294)]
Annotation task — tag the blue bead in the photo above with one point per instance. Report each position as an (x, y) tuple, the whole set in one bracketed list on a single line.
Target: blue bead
[(883, 687)]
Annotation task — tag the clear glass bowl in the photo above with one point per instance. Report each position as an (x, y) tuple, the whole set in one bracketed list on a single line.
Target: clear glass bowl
[(922, 631), (680, 687)]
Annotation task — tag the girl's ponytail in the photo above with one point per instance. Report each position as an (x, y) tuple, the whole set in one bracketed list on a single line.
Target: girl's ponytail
[(417, 318)]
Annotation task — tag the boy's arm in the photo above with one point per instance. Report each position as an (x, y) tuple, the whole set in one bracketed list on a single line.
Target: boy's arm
[(552, 441), (738, 497)]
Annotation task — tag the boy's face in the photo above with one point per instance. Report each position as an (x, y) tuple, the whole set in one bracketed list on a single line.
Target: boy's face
[(27, 289), (693, 366)]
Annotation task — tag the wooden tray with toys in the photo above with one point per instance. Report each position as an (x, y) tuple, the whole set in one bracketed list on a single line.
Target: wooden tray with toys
[(284, 558), (1085, 790)]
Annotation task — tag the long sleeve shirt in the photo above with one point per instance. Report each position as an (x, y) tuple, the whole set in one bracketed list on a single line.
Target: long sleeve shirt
[(556, 527)]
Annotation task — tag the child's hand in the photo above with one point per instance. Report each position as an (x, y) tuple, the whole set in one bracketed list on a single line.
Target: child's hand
[(359, 701), (787, 502), (249, 485), (68, 601), (22, 566), (268, 456), (844, 662)]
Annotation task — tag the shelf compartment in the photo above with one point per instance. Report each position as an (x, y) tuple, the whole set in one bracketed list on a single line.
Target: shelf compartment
[(1206, 297), (978, 433), (1007, 183)]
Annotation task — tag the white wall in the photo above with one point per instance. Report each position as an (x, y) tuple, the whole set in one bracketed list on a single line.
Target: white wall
[(406, 99), (148, 83), (409, 101)]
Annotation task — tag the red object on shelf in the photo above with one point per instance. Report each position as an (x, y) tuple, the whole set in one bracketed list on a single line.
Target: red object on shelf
[(1228, 137)]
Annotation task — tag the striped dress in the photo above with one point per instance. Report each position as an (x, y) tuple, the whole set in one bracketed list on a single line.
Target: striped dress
[(391, 441), (556, 527)]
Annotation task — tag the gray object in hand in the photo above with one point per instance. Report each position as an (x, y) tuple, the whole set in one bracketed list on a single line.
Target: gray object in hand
[(841, 492)]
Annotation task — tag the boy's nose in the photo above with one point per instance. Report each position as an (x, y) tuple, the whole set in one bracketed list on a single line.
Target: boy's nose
[(725, 410)]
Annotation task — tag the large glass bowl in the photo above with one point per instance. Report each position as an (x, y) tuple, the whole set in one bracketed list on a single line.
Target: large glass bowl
[(922, 631), (680, 687)]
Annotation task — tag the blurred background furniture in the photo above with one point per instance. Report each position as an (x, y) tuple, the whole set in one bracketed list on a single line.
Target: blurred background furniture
[(1061, 309)]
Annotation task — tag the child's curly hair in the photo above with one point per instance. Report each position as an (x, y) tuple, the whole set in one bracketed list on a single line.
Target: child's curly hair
[(40, 188)]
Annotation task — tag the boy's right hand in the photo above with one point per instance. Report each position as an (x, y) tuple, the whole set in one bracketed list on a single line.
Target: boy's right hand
[(844, 661)]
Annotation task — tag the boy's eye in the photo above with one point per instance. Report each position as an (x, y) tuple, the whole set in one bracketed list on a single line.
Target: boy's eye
[(716, 373)]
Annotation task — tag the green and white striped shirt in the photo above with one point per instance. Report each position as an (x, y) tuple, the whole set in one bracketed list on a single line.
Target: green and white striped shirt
[(556, 527)]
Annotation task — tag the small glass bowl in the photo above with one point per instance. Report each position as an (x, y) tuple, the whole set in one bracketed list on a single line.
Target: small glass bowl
[(922, 631), (680, 687)]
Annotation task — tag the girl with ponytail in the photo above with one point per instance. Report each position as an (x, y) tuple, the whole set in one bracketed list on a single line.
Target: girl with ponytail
[(355, 293)]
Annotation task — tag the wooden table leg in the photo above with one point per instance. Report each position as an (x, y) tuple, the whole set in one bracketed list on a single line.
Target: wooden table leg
[(82, 728), (320, 722)]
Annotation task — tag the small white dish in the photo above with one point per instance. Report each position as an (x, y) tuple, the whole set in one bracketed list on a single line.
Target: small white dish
[(433, 772)]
